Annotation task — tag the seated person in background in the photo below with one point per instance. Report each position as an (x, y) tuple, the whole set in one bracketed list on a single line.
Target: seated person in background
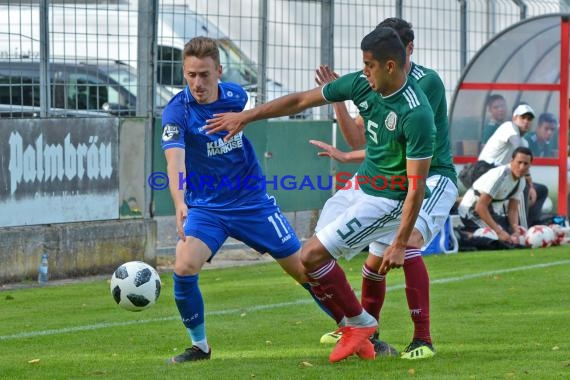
[(540, 141), (493, 200), (497, 108)]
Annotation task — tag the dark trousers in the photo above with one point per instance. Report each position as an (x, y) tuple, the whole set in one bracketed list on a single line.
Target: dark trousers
[(534, 212)]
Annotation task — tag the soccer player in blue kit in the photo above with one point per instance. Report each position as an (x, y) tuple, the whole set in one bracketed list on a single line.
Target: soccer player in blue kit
[(224, 196)]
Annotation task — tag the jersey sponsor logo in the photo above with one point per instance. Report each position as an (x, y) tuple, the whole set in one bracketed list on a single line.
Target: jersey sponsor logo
[(170, 132), (221, 147), (364, 105), (391, 121)]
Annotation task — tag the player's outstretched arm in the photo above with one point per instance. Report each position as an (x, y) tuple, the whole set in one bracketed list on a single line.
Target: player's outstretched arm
[(352, 131), (356, 156), (286, 105), (417, 172), (174, 167)]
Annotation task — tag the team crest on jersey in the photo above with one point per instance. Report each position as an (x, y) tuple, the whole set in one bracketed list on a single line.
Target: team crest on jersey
[(170, 132), (364, 105), (391, 121)]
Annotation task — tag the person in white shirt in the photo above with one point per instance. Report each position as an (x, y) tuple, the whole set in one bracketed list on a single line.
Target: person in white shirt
[(500, 146), (498, 151), (493, 200)]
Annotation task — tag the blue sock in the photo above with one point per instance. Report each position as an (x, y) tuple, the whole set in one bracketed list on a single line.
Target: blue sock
[(323, 308), (190, 305)]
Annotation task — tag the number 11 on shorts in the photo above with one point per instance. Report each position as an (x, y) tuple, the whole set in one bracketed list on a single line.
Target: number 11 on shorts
[(280, 228)]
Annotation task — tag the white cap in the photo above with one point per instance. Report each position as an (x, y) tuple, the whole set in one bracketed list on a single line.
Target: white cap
[(523, 109)]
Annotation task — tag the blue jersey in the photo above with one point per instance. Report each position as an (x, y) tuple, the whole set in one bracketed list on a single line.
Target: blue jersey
[(219, 174)]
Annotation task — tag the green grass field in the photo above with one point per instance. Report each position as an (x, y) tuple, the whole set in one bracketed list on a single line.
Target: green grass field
[(495, 315)]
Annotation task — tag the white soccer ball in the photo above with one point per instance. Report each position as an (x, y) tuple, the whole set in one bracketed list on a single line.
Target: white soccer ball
[(559, 233), (135, 285), (486, 232), (539, 236)]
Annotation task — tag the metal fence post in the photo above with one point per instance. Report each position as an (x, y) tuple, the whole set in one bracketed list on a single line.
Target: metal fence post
[(262, 55), (146, 47), (463, 34), (327, 40), (45, 103), (522, 8), (146, 83)]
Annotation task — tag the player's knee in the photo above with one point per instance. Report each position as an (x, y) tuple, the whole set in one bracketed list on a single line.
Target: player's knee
[(416, 239), (182, 268), (313, 254), (190, 259)]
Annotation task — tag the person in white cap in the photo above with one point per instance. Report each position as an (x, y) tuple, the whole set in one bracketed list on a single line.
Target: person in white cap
[(509, 136), (498, 151), (500, 146)]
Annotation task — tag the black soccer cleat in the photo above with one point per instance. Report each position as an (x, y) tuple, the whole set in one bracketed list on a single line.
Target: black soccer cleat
[(383, 348), (191, 354)]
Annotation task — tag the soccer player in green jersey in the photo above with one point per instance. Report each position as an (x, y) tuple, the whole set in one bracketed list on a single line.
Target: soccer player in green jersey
[(385, 203), (442, 182)]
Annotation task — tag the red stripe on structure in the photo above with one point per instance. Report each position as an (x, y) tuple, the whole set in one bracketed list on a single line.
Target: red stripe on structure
[(464, 159), (563, 135), (510, 86)]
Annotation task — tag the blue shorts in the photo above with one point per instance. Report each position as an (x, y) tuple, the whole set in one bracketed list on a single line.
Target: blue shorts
[(261, 226)]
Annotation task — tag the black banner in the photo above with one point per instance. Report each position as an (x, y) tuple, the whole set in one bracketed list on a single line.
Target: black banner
[(60, 162)]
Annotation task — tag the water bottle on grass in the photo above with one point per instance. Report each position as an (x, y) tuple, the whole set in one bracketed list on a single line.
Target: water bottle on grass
[(43, 274)]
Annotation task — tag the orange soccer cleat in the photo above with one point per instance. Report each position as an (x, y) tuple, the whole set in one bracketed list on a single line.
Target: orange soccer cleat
[(353, 338)]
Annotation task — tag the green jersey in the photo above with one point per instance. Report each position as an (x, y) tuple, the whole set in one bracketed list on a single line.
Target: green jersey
[(432, 85), (398, 127)]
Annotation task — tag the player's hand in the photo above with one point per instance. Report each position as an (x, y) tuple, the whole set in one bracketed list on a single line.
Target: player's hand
[(181, 215), (329, 151), (324, 75), (232, 122), (516, 239), (504, 236), (393, 258)]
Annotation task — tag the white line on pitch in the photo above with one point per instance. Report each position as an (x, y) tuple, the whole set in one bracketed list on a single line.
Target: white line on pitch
[(98, 326)]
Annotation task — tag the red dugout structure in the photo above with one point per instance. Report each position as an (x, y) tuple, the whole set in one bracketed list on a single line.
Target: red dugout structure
[(527, 62)]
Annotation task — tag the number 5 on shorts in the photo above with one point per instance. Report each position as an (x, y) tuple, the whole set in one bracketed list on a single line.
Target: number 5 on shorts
[(350, 228)]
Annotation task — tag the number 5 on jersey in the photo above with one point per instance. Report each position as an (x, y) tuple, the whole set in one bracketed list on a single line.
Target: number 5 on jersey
[(371, 128)]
